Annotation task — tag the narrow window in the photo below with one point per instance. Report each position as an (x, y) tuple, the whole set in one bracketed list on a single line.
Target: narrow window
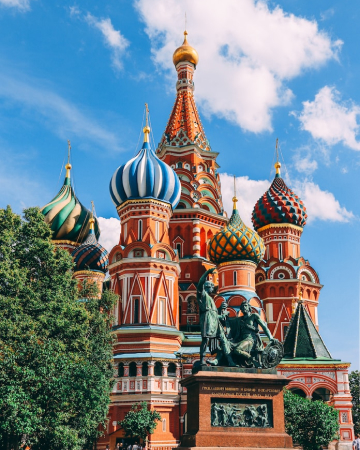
[(267, 252), (121, 370), (140, 230), (294, 251), (235, 278), (249, 279), (179, 165), (125, 230), (222, 279), (157, 230), (136, 310), (132, 369), (162, 312), (269, 312), (280, 251), (164, 425), (158, 369), (178, 248), (145, 369)]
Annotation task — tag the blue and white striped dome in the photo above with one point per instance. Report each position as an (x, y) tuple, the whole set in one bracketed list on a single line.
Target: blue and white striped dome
[(145, 176)]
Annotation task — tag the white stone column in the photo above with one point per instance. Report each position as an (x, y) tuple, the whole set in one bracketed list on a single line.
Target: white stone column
[(196, 238)]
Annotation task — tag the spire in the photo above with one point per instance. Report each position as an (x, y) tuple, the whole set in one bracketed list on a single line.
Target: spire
[(234, 199), (92, 220), (68, 165), (277, 164), (146, 129), (302, 338)]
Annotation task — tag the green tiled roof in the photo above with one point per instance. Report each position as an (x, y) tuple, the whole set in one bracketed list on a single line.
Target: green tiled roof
[(302, 339)]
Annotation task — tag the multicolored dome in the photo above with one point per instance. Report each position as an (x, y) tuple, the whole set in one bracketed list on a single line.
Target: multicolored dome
[(236, 242), (145, 176), (91, 255), (279, 204), (68, 218), (185, 53)]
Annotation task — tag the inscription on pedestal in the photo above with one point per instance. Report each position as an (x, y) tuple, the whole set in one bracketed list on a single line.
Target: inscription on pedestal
[(239, 391), (241, 413)]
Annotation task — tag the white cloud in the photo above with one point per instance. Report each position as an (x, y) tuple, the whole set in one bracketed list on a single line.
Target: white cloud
[(110, 232), (247, 51), (113, 38), (330, 120), (21, 5), (320, 205), (74, 11), (303, 161), (61, 116)]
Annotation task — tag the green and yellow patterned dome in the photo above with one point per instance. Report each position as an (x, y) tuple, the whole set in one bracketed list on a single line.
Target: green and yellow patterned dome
[(236, 242), (68, 218)]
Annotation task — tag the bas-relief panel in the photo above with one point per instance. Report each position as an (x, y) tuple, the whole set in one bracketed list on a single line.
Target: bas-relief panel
[(241, 413)]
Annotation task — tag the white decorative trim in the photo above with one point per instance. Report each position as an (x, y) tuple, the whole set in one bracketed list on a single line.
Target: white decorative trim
[(287, 269)]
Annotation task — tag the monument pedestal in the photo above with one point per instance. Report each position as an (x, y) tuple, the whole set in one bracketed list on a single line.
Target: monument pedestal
[(232, 408)]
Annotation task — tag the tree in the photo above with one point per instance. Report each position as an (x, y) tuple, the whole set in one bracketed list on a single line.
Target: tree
[(55, 351), (354, 381), (140, 421), (311, 424)]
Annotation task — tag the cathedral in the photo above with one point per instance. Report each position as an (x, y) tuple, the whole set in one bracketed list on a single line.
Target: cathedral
[(174, 228)]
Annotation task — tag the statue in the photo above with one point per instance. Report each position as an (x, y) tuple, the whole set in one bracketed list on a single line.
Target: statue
[(236, 341), (245, 338), (210, 324)]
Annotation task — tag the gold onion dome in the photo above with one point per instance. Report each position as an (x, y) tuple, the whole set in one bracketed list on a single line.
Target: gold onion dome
[(236, 242), (185, 53)]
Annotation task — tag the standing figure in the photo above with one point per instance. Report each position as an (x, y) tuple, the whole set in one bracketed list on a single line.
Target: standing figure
[(210, 325)]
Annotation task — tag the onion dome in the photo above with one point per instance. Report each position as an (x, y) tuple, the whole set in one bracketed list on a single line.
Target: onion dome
[(185, 53), (145, 176), (279, 204), (68, 218), (90, 255), (236, 242)]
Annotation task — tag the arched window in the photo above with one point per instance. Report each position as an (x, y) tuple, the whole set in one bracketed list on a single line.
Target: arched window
[(280, 251), (322, 394), (136, 310), (172, 370), (272, 291), (267, 252), (132, 369), (125, 231), (164, 425), (249, 279), (178, 248), (158, 369), (179, 165), (294, 251), (121, 370), (140, 230), (181, 206), (281, 291), (235, 278), (145, 369), (298, 392)]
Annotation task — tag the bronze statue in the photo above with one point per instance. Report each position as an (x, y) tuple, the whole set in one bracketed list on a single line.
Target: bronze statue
[(210, 325)]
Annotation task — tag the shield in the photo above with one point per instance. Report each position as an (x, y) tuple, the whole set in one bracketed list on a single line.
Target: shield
[(272, 354)]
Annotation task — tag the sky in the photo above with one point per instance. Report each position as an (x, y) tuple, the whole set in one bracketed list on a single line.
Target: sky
[(288, 69)]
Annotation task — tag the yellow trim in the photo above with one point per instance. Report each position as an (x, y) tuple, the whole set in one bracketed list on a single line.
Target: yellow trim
[(145, 200), (314, 366), (90, 272), (59, 242), (242, 263), (280, 225)]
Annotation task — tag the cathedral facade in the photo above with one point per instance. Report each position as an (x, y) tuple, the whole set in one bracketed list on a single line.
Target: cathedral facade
[(174, 228)]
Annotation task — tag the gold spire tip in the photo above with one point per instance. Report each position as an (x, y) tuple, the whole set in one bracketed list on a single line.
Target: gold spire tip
[(68, 165), (146, 128), (234, 199), (277, 165), (92, 220)]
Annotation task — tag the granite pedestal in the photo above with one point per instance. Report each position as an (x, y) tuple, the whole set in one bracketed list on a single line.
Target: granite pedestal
[(235, 408)]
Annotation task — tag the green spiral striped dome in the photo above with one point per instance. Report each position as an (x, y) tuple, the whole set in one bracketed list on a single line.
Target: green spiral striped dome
[(68, 218)]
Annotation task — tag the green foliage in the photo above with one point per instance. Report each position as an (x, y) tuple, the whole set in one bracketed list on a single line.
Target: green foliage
[(310, 423), (354, 381), (140, 421), (55, 351)]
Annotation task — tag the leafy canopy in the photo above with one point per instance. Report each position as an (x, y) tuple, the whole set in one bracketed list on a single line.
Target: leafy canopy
[(311, 424), (55, 351), (140, 421), (354, 381)]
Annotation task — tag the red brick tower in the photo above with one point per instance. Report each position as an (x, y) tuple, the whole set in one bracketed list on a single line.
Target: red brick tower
[(144, 272), (279, 217), (199, 214)]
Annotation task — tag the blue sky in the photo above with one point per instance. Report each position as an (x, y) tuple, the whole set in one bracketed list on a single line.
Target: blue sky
[(290, 69)]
